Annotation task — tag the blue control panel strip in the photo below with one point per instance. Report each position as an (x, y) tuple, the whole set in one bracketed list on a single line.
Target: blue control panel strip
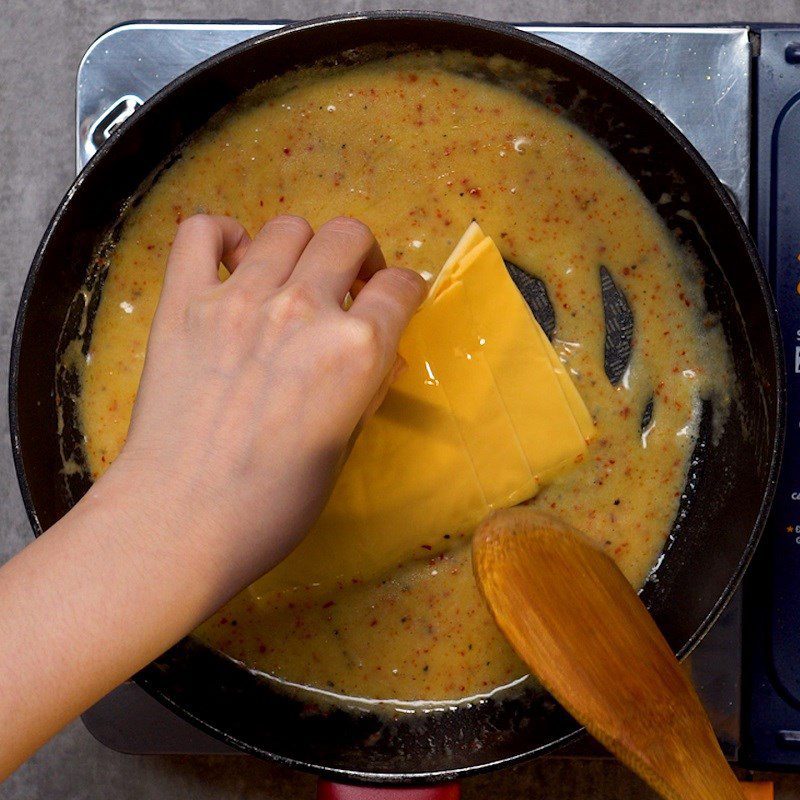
[(771, 674)]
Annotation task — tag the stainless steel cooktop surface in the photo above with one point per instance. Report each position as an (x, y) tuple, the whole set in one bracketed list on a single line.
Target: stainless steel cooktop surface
[(699, 77)]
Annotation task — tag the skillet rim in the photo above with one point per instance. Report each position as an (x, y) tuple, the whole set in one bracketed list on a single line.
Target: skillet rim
[(73, 195)]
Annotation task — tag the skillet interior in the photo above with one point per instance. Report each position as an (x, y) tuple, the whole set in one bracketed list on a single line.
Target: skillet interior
[(728, 489)]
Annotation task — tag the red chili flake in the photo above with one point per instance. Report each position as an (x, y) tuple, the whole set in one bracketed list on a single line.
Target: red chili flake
[(328, 604), (281, 199), (373, 624), (223, 621), (287, 151), (475, 191), (427, 547), (262, 648)]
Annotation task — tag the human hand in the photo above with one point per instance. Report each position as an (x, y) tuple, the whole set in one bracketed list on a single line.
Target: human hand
[(251, 391), (253, 387)]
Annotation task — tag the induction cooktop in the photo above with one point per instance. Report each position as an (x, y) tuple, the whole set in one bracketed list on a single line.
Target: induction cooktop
[(734, 91)]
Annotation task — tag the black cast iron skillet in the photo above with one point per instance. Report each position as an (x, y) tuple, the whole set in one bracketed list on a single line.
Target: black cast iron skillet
[(732, 477)]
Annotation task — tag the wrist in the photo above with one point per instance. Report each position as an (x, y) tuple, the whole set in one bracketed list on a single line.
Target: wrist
[(170, 523)]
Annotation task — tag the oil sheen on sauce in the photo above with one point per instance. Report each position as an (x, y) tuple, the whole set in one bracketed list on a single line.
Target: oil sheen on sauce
[(417, 149)]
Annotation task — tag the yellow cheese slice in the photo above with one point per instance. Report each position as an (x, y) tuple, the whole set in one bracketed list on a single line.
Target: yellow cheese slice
[(540, 411), (455, 265), (459, 363), (472, 236), (484, 413), (582, 416)]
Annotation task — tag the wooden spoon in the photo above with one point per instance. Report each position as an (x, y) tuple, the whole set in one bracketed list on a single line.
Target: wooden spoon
[(574, 619)]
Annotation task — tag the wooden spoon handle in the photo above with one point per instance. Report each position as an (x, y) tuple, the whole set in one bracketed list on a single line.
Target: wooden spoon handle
[(758, 790), (575, 620)]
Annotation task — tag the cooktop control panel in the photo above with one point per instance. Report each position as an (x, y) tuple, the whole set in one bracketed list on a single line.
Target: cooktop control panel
[(771, 699)]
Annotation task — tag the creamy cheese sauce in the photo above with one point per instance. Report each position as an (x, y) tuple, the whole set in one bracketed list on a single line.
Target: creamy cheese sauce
[(418, 151)]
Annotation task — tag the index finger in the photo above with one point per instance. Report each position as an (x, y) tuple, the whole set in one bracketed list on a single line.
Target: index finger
[(201, 244), (388, 301)]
